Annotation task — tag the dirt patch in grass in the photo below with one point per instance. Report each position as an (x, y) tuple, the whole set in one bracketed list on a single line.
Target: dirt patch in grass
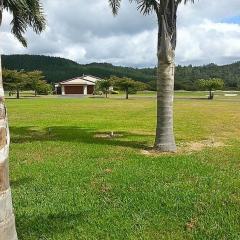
[(186, 148), (199, 146), (108, 170), (108, 135), (191, 224)]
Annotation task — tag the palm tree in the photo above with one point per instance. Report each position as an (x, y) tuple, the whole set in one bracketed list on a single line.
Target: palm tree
[(26, 13), (166, 11)]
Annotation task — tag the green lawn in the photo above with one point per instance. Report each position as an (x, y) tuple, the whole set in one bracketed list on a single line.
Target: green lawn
[(69, 181)]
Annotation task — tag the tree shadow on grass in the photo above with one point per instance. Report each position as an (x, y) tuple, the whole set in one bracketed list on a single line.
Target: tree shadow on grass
[(20, 181), (192, 98), (77, 134), (46, 226)]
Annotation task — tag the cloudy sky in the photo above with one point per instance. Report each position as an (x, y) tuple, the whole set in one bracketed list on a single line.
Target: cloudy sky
[(86, 31)]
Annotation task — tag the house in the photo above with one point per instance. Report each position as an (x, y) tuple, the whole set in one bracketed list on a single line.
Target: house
[(84, 85)]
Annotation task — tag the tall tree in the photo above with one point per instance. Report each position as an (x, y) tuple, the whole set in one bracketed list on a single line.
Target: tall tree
[(104, 86), (25, 13), (166, 12), (128, 85), (35, 79), (211, 85), (14, 81)]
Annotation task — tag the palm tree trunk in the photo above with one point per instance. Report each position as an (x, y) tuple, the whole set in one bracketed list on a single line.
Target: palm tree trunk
[(165, 140), (7, 219)]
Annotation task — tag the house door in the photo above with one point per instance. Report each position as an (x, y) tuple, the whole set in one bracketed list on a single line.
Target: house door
[(74, 90), (90, 89)]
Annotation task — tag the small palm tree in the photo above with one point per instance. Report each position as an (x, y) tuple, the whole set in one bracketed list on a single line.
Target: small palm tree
[(26, 13), (166, 12)]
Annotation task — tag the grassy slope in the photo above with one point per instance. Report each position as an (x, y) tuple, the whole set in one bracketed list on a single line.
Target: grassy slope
[(67, 184)]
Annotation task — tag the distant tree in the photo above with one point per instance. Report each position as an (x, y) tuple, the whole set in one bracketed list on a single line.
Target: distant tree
[(35, 80), (104, 86), (128, 85), (25, 13), (43, 88), (15, 81), (211, 85)]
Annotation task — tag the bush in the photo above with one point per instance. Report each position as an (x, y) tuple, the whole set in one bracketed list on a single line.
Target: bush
[(44, 89)]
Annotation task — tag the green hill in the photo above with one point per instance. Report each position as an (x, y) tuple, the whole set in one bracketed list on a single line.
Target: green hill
[(57, 69)]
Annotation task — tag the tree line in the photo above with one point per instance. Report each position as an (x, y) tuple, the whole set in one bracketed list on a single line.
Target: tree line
[(16, 81), (57, 69)]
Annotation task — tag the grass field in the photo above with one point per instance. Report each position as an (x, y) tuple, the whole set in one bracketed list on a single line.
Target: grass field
[(70, 181)]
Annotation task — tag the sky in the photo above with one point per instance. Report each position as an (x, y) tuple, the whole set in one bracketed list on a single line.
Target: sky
[(86, 31)]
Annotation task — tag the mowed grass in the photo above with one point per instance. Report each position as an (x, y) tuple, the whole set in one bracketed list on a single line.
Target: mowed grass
[(69, 181)]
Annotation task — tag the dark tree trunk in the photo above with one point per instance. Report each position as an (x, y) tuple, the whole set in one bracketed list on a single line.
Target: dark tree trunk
[(127, 94), (18, 94), (165, 140), (211, 95)]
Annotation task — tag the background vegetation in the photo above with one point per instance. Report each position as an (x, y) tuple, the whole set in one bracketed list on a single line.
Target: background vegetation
[(16, 81), (58, 69)]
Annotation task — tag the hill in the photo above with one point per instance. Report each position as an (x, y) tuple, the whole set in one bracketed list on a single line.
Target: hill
[(57, 69)]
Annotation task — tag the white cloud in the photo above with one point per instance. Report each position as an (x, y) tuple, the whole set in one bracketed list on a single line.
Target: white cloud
[(209, 42), (86, 31)]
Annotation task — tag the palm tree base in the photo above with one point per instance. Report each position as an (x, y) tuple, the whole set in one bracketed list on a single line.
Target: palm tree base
[(8, 230), (165, 147)]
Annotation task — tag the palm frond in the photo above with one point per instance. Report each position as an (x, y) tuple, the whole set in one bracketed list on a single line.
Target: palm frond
[(115, 5), (144, 6), (147, 6), (26, 13), (1, 11), (35, 15), (185, 1)]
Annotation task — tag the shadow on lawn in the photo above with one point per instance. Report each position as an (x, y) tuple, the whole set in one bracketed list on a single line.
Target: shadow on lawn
[(193, 98), (20, 181), (77, 134), (46, 226)]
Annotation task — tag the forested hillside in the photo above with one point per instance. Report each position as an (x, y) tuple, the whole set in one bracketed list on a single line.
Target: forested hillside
[(57, 69)]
